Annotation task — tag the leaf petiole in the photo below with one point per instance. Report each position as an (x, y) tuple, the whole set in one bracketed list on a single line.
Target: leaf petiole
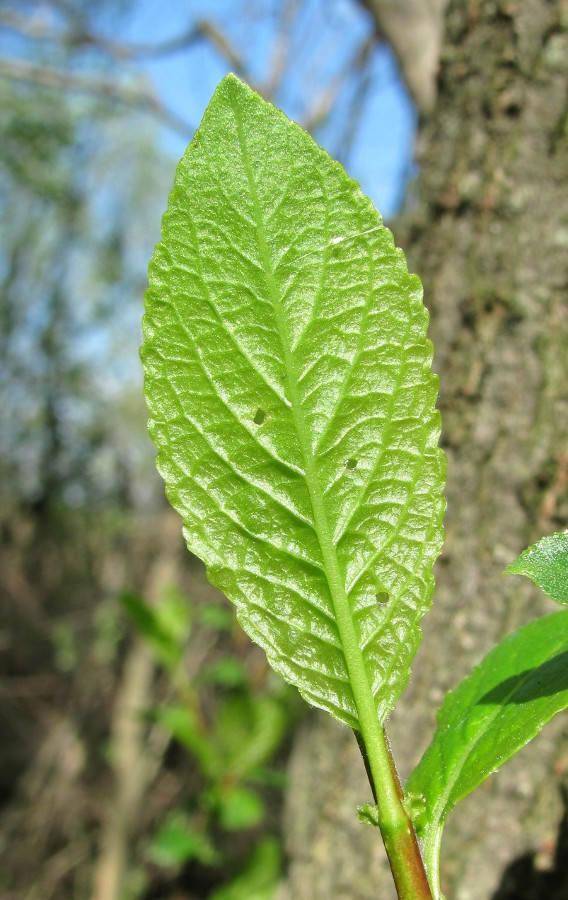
[(393, 820)]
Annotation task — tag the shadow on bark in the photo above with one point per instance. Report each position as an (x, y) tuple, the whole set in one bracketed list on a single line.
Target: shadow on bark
[(522, 880)]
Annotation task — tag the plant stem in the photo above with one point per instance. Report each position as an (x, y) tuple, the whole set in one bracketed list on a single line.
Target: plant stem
[(395, 825)]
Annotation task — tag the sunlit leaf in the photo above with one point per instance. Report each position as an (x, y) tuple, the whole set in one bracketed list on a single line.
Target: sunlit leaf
[(292, 403), (493, 713), (546, 563)]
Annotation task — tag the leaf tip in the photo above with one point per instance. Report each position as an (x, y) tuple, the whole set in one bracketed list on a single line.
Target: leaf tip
[(232, 85), (546, 564)]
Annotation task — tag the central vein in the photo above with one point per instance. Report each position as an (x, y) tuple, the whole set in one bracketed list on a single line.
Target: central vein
[(362, 694)]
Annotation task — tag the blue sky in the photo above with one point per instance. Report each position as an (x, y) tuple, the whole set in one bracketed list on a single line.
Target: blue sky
[(328, 33)]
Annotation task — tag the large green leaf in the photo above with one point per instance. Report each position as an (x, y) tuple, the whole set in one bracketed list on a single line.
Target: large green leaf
[(494, 712), (546, 563), (292, 403)]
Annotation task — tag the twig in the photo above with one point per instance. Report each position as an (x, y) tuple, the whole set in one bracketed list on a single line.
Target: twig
[(135, 758), (51, 77)]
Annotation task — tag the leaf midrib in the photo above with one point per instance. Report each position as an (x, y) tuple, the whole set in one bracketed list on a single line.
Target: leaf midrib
[(359, 682)]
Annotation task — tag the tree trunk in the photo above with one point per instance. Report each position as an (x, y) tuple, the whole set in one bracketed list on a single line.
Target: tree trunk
[(488, 234)]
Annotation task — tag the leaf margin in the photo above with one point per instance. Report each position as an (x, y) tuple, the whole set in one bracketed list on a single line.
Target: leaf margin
[(220, 580)]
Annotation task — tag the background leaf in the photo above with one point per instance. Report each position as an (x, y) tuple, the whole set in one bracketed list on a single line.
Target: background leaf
[(260, 876), (238, 807), (165, 625), (177, 842), (546, 563), (494, 712), (292, 402)]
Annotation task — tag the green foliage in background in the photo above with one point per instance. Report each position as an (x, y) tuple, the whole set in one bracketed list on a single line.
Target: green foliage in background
[(74, 219), (231, 731)]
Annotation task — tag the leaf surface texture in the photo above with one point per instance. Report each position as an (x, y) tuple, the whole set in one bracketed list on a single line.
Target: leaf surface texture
[(546, 563), (288, 376)]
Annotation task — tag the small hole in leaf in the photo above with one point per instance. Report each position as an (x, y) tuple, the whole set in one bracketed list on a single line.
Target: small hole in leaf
[(382, 597), (351, 463), (259, 417)]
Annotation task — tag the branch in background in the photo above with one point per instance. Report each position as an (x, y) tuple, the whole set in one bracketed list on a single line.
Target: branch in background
[(414, 29), (363, 68), (225, 48), (282, 47), (82, 36), (136, 751), (51, 77), (323, 103)]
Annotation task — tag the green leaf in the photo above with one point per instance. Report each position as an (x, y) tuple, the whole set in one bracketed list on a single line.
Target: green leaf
[(493, 713), (228, 672), (217, 617), (177, 842), (238, 807), (259, 878), (183, 724), (287, 373), (368, 814), (248, 731), (546, 563), (164, 626)]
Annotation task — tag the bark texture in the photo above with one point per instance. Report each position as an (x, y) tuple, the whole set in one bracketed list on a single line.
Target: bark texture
[(487, 230)]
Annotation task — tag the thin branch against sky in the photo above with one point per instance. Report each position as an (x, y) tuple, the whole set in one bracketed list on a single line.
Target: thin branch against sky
[(317, 59)]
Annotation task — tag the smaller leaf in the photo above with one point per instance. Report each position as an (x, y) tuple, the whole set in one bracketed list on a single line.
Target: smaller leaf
[(546, 563), (260, 876), (183, 724), (368, 814), (238, 808), (177, 843), (228, 672), (495, 711), (164, 627), (248, 731), (216, 617), (268, 777)]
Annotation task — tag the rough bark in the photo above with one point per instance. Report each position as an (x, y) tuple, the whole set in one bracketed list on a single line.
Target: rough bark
[(488, 233)]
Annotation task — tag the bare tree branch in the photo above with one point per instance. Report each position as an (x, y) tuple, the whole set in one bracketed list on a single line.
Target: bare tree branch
[(362, 69), (51, 77), (81, 36), (326, 99), (282, 47)]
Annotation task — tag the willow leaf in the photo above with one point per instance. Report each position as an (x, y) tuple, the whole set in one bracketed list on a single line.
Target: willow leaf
[(546, 563), (292, 403), (492, 714)]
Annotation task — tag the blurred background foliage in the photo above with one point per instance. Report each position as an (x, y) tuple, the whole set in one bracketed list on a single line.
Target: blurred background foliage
[(143, 738)]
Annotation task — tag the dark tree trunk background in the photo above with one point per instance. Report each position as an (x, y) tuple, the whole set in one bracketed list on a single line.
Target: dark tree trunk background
[(488, 233)]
